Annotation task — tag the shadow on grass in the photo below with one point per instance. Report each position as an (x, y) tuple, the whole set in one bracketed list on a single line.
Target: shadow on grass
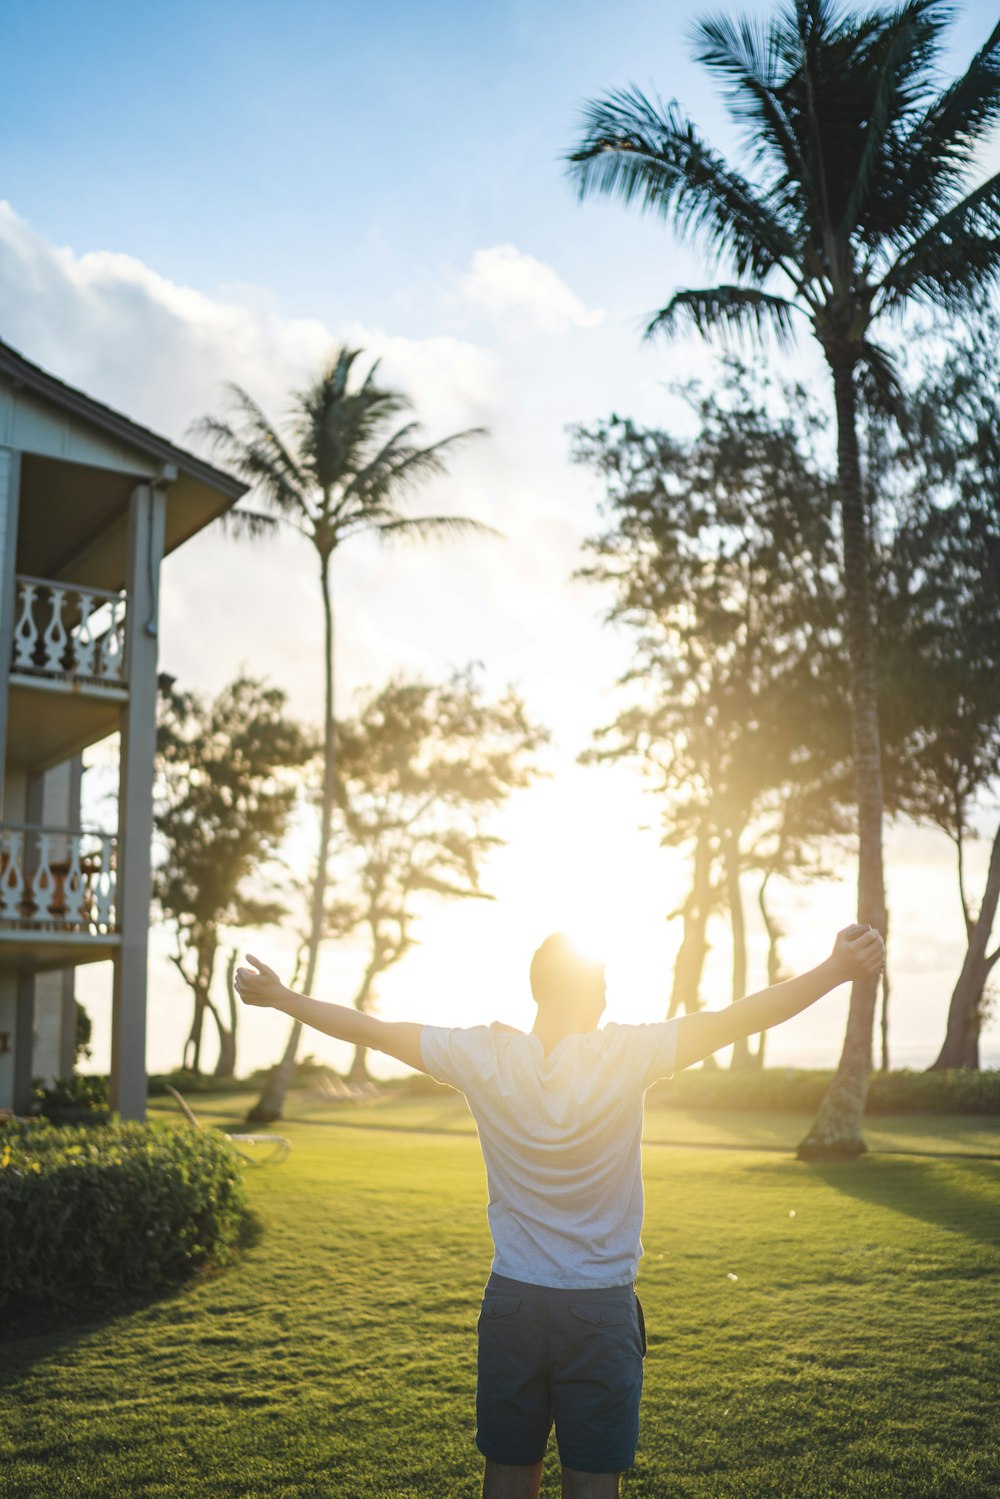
[(33, 1331), (925, 1190)]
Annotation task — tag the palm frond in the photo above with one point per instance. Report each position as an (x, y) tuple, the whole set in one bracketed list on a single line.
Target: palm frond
[(652, 155), (748, 57), (252, 447), (958, 256), (366, 478), (881, 388), (727, 309), (433, 526), (942, 146), (907, 46), (388, 485), (248, 525)]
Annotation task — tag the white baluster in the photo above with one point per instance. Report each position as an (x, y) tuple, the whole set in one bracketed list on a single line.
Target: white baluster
[(43, 882), (84, 643), (111, 644), (26, 629), (12, 878), (73, 887), (55, 635), (105, 887)]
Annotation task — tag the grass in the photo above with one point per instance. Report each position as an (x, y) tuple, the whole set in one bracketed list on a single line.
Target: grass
[(854, 1357)]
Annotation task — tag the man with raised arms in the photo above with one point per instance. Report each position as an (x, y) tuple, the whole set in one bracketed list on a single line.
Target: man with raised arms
[(559, 1114)]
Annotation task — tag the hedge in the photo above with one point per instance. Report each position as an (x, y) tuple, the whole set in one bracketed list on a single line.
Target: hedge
[(86, 1213), (799, 1090)]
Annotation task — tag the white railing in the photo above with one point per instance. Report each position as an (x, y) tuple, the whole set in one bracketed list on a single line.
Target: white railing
[(62, 631), (58, 879)]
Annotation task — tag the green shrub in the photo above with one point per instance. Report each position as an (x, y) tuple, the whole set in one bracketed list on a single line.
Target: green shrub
[(80, 1098), (799, 1090), (85, 1214)]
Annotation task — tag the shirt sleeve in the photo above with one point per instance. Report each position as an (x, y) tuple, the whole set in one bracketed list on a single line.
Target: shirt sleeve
[(651, 1050), (457, 1055)]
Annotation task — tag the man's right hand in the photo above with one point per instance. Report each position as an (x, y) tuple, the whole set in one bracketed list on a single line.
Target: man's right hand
[(260, 987), (858, 953)]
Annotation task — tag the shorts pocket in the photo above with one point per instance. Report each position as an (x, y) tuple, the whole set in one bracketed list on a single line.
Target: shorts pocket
[(495, 1305), (610, 1314)]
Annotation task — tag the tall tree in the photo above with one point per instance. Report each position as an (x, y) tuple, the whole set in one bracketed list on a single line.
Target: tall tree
[(421, 770), (343, 467), (721, 556), (225, 789), (858, 199), (940, 622)]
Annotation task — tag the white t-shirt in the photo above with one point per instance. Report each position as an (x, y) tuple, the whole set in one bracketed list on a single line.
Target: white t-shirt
[(561, 1139)]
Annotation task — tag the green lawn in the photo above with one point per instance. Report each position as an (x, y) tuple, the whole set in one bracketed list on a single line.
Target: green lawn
[(854, 1357)]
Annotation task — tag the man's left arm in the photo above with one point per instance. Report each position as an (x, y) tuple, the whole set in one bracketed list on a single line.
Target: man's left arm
[(262, 987), (705, 1032)]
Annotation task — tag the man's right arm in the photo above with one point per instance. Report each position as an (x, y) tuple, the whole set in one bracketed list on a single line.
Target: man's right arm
[(707, 1031), (400, 1039)]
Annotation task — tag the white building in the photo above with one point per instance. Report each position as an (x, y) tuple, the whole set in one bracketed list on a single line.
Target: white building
[(89, 504)]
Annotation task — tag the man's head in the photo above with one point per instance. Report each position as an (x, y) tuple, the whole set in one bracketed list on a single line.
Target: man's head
[(567, 984)]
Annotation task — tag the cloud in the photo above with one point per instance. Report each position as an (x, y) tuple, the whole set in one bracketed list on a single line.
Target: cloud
[(524, 293), (162, 353)]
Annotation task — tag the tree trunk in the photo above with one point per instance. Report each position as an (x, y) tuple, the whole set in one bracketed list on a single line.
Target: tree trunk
[(961, 1042), (694, 946), (358, 1072), (192, 1047), (774, 935), (837, 1128), (741, 1057), (884, 1018), (206, 950), (272, 1099), (226, 1065)]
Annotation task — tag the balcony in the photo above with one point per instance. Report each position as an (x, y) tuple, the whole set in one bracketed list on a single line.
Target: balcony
[(68, 675), (58, 890)]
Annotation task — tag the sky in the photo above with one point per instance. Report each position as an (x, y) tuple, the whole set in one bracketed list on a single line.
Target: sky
[(221, 191)]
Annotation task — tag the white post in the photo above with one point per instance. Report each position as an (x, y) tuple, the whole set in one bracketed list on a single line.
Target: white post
[(10, 505), (147, 514), (67, 1028)]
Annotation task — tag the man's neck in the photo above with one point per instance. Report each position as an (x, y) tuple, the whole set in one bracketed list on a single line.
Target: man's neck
[(551, 1031)]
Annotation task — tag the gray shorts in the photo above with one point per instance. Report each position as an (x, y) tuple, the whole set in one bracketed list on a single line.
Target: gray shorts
[(572, 1357)]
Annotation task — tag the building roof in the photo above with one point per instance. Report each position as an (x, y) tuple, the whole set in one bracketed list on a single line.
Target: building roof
[(22, 372)]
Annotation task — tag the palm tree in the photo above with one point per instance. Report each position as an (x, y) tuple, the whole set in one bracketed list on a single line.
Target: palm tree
[(345, 468), (858, 202)]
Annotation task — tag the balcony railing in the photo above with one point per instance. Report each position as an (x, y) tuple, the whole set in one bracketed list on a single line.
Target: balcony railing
[(58, 879), (70, 634)]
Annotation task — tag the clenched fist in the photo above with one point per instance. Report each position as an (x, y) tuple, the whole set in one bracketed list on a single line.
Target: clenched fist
[(858, 952), (259, 985)]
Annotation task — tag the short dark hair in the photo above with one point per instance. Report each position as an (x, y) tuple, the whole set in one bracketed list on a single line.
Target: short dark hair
[(559, 971)]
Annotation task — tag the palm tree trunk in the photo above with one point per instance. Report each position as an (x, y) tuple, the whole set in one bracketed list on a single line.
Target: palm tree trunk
[(272, 1099), (837, 1128), (961, 1042), (884, 1015)]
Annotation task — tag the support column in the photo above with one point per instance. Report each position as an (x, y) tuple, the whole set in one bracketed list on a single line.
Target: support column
[(67, 1024), (10, 507), (147, 513), (24, 1033)]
